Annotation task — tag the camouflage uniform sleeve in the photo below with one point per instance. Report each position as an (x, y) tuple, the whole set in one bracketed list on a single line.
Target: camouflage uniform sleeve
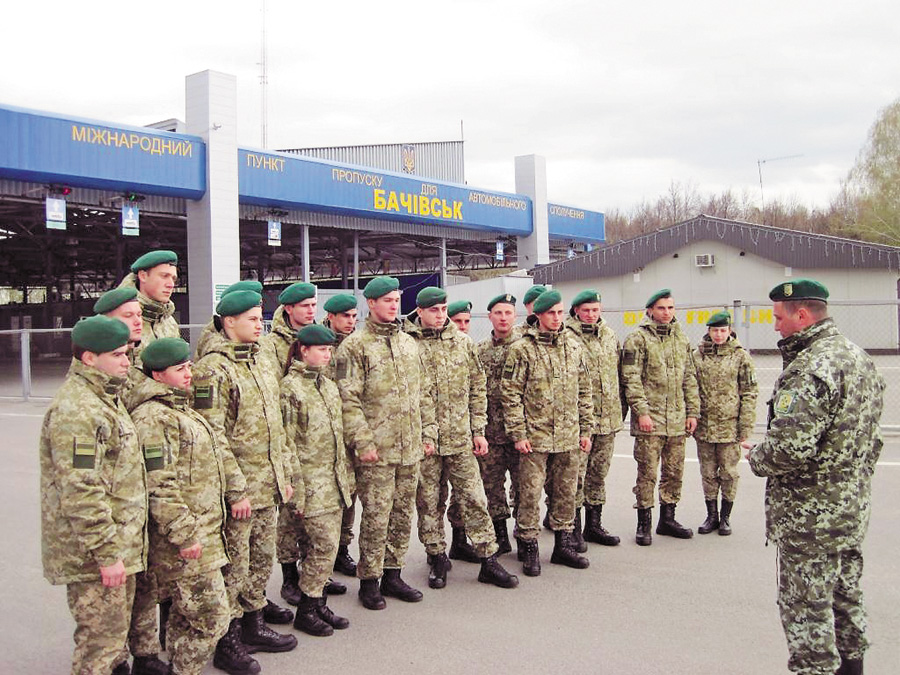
[(350, 373), (633, 356), (426, 404), (801, 411), (585, 399), (477, 393), (748, 391), (690, 386), (512, 393), (294, 417)]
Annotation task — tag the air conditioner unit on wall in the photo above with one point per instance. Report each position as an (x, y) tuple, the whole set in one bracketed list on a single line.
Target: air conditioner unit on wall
[(705, 260)]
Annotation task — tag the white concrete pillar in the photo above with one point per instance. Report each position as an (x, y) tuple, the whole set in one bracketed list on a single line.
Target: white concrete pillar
[(531, 180)]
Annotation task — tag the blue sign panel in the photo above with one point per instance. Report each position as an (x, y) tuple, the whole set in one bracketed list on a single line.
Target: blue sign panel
[(131, 220), (46, 148), (566, 222), (287, 181)]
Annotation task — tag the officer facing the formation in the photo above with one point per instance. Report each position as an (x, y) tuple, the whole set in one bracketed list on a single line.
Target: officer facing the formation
[(389, 425), (818, 455), (458, 391), (93, 496), (661, 388), (186, 482), (341, 315), (214, 325), (313, 425), (460, 313), (154, 275), (236, 391), (546, 392), (727, 381)]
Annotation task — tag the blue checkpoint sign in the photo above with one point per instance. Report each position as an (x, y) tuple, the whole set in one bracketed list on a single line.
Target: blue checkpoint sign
[(56, 213), (131, 220), (274, 227)]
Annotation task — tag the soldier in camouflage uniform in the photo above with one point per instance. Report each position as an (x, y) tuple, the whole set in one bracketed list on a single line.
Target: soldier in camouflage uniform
[(186, 481), (547, 409), (388, 425), (236, 390), (661, 388), (154, 275), (531, 295), (313, 425), (458, 391), (123, 304), (214, 325), (460, 313), (502, 456), (818, 455), (727, 381), (93, 496)]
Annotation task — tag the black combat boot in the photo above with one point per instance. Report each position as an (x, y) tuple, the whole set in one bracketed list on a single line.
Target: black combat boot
[(725, 519), (546, 521), (850, 666), (394, 587), (333, 587), (290, 591), (564, 552), (308, 619), (461, 549), (530, 556), (231, 654), (344, 562), (668, 526), (149, 665), (439, 565), (164, 608), (503, 545), (329, 617), (122, 668), (276, 615), (644, 536), (492, 572), (370, 595), (258, 637), (712, 517), (578, 542), (593, 529)]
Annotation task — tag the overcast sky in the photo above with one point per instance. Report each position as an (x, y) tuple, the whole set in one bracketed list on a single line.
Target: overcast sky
[(621, 98)]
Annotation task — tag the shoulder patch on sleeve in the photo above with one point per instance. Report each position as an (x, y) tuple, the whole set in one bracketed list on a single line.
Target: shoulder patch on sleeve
[(341, 368), (628, 357), (203, 396), (785, 403), (84, 453), (154, 458)]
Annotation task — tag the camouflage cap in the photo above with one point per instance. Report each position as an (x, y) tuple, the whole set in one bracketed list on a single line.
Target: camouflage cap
[(100, 334), (165, 352), (505, 298), (379, 286), (459, 307), (722, 318), (238, 302), (545, 301), (316, 334), (246, 285), (114, 298), (342, 302), (659, 295), (799, 289), (532, 294), (154, 258), (430, 296), (297, 293)]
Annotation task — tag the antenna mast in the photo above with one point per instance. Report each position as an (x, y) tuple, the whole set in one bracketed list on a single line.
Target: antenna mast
[(264, 85)]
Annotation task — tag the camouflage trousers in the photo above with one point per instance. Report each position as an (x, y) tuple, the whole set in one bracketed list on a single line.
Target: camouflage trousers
[(143, 634), (347, 522), (534, 470), (324, 533), (199, 617), (718, 469), (648, 451), (592, 480), (251, 548), (291, 534), (821, 605), (461, 471), (388, 498), (502, 458), (102, 616)]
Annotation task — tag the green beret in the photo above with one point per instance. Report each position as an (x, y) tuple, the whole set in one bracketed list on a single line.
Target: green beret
[(114, 298), (154, 258), (659, 295), (342, 302), (722, 318), (506, 298), (799, 289), (297, 293), (379, 286), (316, 334), (459, 307), (545, 301), (100, 334), (589, 295), (430, 296), (238, 302), (246, 285), (165, 352), (532, 294)]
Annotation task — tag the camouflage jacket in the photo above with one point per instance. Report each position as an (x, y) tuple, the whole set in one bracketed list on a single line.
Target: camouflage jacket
[(93, 485), (601, 348), (492, 354), (822, 443), (728, 391), (329, 369), (659, 378), (381, 380), (209, 335), (186, 479), (159, 318), (237, 392), (457, 385), (314, 430), (276, 344), (546, 391)]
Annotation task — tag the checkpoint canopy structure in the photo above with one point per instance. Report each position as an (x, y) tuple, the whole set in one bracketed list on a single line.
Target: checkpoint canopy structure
[(234, 212)]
